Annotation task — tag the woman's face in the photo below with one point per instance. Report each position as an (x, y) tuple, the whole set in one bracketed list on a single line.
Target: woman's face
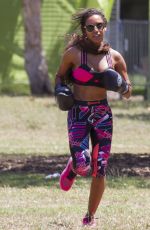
[(94, 29)]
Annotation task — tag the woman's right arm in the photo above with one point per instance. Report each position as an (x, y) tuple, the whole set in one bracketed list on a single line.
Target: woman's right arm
[(66, 64)]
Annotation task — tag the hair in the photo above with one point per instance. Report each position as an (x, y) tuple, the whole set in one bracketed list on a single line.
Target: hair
[(79, 19)]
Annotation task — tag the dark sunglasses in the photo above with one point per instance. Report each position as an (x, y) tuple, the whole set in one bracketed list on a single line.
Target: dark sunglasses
[(99, 26)]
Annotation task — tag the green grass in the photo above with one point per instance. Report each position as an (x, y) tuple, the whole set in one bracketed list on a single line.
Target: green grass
[(131, 127), (35, 126), (125, 205), (32, 126), (26, 180)]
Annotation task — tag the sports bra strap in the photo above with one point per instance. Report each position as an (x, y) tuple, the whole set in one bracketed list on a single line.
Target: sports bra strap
[(83, 57), (109, 60)]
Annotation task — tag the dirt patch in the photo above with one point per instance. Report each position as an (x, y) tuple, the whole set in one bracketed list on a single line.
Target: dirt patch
[(119, 164)]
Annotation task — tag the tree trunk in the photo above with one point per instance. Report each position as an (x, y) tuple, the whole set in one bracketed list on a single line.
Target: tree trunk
[(35, 62)]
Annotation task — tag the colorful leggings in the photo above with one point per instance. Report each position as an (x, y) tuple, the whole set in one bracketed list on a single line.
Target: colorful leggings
[(94, 120)]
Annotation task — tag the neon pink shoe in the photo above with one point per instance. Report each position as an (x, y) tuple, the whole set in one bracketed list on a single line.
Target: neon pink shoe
[(67, 177), (89, 221)]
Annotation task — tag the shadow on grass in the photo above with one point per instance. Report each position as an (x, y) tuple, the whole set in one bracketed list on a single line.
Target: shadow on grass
[(24, 180), (24, 171), (125, 182), (139, 117)]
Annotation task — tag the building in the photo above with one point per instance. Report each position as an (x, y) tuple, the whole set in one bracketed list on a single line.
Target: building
[(128, 33)]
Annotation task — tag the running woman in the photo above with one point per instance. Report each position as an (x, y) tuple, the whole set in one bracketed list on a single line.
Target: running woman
[(86, 63)]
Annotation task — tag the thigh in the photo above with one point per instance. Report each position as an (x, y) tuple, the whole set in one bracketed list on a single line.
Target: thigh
[(78, 129), (101, 136)]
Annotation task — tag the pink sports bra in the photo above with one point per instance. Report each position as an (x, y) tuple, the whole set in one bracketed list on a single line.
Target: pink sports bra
[(84, 75)]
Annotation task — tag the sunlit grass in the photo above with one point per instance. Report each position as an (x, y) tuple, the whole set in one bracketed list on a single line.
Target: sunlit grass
[(47, 207), (35, 126), (32, 126)]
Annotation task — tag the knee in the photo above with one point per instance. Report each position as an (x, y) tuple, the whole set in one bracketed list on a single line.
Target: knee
[(100, 165), (82, 163)]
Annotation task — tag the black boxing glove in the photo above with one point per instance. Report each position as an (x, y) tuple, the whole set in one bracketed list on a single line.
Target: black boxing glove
[(113, 81), (64, 97)]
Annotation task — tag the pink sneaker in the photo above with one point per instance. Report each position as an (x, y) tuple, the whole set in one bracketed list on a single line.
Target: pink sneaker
[(67, 177), (89, 221)]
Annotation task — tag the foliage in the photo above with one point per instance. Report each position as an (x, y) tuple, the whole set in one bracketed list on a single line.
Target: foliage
[(56, 23), (56, 46), (106, 5), (9, 13)]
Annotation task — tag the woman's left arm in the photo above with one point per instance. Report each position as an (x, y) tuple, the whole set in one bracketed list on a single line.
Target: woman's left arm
[(121, 67)]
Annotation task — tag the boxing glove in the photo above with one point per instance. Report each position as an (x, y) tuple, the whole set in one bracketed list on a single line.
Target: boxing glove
[(64, 97), (113, 81)]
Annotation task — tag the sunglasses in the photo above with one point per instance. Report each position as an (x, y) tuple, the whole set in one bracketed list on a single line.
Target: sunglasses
[(99, 26)]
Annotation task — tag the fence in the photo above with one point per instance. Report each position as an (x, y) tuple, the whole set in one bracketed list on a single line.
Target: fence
[(131, 39)]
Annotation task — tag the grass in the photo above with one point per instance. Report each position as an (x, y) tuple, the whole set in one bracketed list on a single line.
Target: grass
[(46, 207), (31, 126), (131, 128), (26, 180), (35, 126)]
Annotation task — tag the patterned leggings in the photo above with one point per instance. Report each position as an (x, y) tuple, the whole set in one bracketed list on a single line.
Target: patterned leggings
[(94, 120)]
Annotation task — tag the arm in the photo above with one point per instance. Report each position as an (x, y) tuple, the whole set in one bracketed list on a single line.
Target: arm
[(63, 94), (121, 68), (66, 64)]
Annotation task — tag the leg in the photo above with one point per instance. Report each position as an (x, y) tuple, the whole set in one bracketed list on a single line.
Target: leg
[(67, 177), (79, 129), (100, 156), (96, 192), (80, 162), (101, 142), (81, 166)]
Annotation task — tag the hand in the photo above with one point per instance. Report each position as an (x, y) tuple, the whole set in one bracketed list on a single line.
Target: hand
[(113, 81), (64, 97), (128, 93)]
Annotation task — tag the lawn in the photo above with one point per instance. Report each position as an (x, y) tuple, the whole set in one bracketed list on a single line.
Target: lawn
[(125, 206), (34, 127), (31, 125)]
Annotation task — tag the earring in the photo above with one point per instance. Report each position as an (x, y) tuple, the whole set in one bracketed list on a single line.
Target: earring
[(85, 36)]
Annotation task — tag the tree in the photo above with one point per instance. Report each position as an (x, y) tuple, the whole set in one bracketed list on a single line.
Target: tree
[(35, 62)]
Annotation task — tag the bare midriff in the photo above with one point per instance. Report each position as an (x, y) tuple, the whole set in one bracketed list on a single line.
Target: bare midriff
[(88, 93)]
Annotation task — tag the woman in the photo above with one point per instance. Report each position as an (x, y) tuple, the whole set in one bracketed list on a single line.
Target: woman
[(87, 58)]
